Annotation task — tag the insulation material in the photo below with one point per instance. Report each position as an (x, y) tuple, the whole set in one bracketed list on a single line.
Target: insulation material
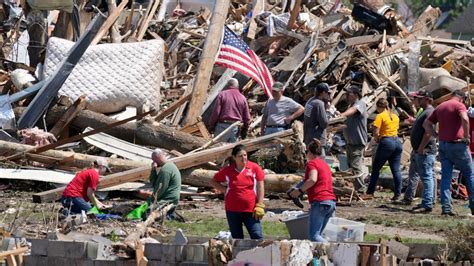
[(112, 76)]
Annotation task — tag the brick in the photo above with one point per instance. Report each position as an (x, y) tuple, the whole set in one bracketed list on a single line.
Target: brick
[(67, 249), (32, 260), (39, 247), (154, 251)]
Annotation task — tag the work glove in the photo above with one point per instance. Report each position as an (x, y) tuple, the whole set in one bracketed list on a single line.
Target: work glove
[(243, 132), (259, 211)]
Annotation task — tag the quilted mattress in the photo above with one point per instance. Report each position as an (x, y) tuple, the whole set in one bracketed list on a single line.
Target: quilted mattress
[(112, 76)]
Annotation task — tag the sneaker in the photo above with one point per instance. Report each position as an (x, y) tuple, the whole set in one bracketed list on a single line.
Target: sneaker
[(396, 198), (420, 209), (472, 212), (367, 196), (448, 213), (405, 202)]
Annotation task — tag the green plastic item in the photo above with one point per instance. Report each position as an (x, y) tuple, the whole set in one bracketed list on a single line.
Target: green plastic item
[(138, 212), (94, 210)]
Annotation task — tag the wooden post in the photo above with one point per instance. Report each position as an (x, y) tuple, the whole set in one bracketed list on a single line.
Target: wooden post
[(294, 14), (211, 47)]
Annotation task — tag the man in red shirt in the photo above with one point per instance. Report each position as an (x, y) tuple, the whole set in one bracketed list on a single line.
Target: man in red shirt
[(243, 194), (231, 106), (80, 191), (454, 143)]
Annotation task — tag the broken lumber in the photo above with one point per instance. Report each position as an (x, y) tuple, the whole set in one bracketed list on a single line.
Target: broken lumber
[(78, 160), (135, 132), (182, 162), (111, 18), (278, 183), (68, 116), (77, 137), (206, 64)]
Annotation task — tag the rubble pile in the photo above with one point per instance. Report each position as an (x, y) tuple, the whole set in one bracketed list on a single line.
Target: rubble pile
[(116, 80)]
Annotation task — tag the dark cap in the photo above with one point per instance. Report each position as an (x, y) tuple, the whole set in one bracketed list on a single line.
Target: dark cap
[(277, 86), (422, 93), (322, 87), (459, 93), (355, 89)]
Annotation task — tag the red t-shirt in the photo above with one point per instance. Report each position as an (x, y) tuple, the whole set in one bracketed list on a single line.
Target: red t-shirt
[(322, 190), (448, 116), (241, 194), (80, 183)]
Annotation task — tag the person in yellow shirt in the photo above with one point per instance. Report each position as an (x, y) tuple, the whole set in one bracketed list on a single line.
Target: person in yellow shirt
[(389, 147)]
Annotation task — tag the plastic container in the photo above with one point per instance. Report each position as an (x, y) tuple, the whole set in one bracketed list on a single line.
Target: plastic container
[(343, 230), (297, 226)]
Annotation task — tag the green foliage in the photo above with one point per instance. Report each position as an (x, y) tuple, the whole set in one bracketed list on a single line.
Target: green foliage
[(455, 7)]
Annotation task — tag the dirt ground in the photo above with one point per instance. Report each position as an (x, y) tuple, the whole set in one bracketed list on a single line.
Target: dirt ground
[(380, 216)]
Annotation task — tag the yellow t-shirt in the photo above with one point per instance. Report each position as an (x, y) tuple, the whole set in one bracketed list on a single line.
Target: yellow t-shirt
[(388, 126)]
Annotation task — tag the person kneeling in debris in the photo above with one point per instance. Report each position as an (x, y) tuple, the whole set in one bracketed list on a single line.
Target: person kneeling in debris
[(166, 183), (80, 191), (243, 194), (318, 185)]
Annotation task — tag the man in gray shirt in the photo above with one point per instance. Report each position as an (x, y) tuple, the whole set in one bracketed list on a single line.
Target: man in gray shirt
[(315, 116), (355, 132), (279, 111)]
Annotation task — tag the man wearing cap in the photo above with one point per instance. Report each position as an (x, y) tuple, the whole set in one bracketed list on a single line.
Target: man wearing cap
[(81, 190), (166, 182), (230, 106), (315, 116), (413, 177), (454, 140), (279, 111), (424, 159), (355, 132)]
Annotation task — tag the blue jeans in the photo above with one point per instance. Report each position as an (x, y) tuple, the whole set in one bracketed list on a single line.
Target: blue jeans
[(413, 178), (235, 221), (319, 215), (424, 167), (271, 130), (389, 149), (76, 205), (230, 136), (455, 155)]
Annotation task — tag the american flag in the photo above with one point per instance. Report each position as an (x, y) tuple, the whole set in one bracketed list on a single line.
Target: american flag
[(235, 54)]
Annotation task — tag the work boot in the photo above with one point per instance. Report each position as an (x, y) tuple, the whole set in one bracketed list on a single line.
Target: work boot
[(297, 200), (448, 213), (421, 209)]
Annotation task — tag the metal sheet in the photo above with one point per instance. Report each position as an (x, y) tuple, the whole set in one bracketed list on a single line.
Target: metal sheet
[(37, 175), (120, 147)]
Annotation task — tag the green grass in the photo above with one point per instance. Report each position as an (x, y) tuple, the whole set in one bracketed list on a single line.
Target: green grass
[(432, 222), (208, 226), (377, 237)]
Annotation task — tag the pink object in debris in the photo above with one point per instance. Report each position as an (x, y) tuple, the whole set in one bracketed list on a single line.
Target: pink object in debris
[(37, 137)]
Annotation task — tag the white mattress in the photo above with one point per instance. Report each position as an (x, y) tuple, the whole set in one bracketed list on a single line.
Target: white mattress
[(112, 76)]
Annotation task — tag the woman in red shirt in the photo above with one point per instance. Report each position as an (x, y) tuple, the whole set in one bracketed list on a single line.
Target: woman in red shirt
[(318, 185), (243, 194)]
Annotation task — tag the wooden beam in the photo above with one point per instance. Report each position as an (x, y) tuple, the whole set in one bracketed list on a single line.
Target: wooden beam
[(111, 18), (76, 137), (206, 64), (182, 162), (168, 111), (294, 14), (68, 116), (144, 26)]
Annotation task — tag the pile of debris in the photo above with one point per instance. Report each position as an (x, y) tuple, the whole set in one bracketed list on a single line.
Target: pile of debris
[(81, 69)]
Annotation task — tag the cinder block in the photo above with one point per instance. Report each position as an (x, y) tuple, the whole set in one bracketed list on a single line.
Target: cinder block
[(32, 260), (59, 261), (67, 249), (195, 253), (39, 247), (154, 251), (99, 251)]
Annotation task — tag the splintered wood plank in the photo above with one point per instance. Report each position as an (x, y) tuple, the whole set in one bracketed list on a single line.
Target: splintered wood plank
[(68, 116)]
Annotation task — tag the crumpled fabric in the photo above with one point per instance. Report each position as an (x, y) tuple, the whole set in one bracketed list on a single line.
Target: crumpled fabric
[(36, 137)]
